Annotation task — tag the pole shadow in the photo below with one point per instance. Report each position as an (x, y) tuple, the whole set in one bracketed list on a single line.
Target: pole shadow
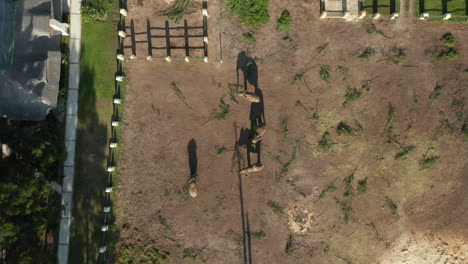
[(192, 157)]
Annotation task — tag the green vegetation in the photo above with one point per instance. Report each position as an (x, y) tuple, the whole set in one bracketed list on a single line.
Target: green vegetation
[(92, 11), (325, 143), (252, 13), (396, 55), (249, 37), (346, 209), (225, 110), (289, 250), (447, 53), (330, 188), (348, 185), (288, 40), (163, 222), (346, 129), (284, 21), (131, 253), (435, 93), (446, 123), (427, 162), (177, 10), (464, 131), (392, 206), (285, 166), (373, 29), (367, 54), (325, 74), (322, 48), (277, 209), (448, 39), (362, 185), (351, 94), (285, 130), (404, 152), (258, 235), (298, 78)]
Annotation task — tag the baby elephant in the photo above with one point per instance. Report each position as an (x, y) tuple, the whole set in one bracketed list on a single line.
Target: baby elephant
[(254, 168), (259, 132), (251, 97)]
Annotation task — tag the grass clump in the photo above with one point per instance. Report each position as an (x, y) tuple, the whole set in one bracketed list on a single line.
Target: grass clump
[(322, 48), (396, 55), (351, 94), (367, 54), (348, 185), (445, 122), (373, 29), (259, 235), (404, 152), (392, 206), (289, 250), (447, 53), (285, 130), (427, 162), (284, 21), (225, 110), (464, 131), (298, 78), (249, 37), (288, 40), (325, 74), (362, 185), (163, 222), (448, 39), (233, 88), (277, 209), (435, 93), (177, 10), (344, 128), (252, 13), (326, 142), (346, 209), (330, 188), (285, 166)]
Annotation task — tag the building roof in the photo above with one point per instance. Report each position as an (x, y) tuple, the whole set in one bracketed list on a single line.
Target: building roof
[(29, 60)]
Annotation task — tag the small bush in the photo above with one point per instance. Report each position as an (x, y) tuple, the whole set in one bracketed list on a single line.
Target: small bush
[(278, 209), (289, 250), (249, 37), (288, 40), (464, 131), (448, 39), (325, 74), (322, 48), (396, 56), (344, 128), (362, 185), (435, 93), (428, 162), (367, 53), (298, 78), (447, 53), (90, 13), (348, 186), (392, 206), (225, 110), (329, 188), (252, 13), (177, 10), (285, 130), (345, 208), (284, 21), (258, 235), (325, 143), (404, 152), (351, 95)]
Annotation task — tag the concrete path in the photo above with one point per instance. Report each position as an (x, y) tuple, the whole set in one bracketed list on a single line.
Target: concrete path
[(70, 130)]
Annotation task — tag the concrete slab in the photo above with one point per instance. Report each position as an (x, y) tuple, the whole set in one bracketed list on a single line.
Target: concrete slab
[(70, 148), (72, 102), (75, 6), (62, 253), (64, 235), (66, 204), (74, 76), (67, 184), (75, 26), (70, 127), (75, 50)]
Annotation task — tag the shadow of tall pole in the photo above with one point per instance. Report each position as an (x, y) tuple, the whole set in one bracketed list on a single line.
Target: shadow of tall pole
[(244, 219)]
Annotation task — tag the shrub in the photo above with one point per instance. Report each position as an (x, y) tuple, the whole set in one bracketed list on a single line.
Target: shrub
[(397, 55), (177, 10), (367, 53), (90, 13), (325, 74), (351, 95), (284, 21), (288, 40), (447, 53), (252, 13), (448, 39), (249, 37), (428, 162)]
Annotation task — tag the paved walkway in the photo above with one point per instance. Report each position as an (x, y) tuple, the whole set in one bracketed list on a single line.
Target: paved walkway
[(70, 130)]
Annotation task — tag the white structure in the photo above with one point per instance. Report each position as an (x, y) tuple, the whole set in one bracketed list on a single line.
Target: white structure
[(108, 189), (107, 209), (122, 34), (424, 16), (115, 123), (123, 12), (394, 16), (345, 9), (62, 27), (447, 16), (376, 16), (104, 228), (117, 101), (102, 249), (120, 57), (111, 168), (168, 59), (119, 78)]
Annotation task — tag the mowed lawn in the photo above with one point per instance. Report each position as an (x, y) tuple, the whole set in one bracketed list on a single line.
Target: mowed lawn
[(97, 85)]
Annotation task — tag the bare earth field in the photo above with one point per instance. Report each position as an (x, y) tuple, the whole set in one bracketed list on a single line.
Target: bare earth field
[(348, 200)]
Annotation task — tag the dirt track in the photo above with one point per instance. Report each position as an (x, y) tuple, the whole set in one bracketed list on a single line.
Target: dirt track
[(153, 210)]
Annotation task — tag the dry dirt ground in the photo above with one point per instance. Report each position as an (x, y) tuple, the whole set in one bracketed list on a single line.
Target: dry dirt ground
[(396, 212)]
